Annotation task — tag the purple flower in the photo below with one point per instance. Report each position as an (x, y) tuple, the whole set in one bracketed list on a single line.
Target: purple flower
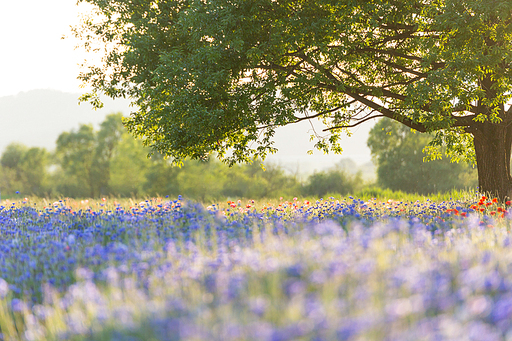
[(18, 305), (4, 288), (502, 309)]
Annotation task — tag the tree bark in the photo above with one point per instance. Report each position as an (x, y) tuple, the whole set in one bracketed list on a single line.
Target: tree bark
[(492, 144)]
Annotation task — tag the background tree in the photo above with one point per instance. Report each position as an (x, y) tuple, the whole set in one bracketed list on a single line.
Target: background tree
[(333, 181), (397, 152), (11, 167), (13, 156), (201, 180), (84, 157), (107, 140), (128, 167), (24, 169), (109, 161), (218, 75), (75, 153), (34, 165), (251, 181)]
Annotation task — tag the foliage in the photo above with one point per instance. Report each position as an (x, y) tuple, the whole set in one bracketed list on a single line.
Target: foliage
[(334, 181), (212, 77), (109, 162), (128, 167), (397, 152), (210, 180), (108, 140), (24, 169), (251, 181), (75, 152), (97, 163), (175, 270)]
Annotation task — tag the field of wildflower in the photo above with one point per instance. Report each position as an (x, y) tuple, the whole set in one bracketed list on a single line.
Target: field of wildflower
[(330, 269)]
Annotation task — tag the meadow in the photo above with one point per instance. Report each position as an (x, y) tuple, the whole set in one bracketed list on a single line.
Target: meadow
[(290, 269)]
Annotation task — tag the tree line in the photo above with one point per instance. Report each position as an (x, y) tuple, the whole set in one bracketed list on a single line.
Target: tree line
[(110, 162)]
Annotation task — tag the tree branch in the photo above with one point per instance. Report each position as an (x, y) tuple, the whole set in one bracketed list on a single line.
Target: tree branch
[(385, 93), (398, 26), (388, 113), (388, 52), (355, 124), (403, 35), (299, 119), (404, 69), (351, 90), (464, 121)]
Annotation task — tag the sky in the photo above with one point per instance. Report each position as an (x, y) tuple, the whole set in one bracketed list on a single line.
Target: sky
[(33, 55)]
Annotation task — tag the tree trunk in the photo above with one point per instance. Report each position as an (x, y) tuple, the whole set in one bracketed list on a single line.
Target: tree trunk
[(492, 147)]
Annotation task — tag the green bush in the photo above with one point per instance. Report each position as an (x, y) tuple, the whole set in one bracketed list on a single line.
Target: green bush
[(334, 181)]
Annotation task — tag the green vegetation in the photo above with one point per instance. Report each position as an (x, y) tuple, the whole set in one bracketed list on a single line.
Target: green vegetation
[(108, 162), (400, 163), (210, 77), (24, 169), (334, 180)]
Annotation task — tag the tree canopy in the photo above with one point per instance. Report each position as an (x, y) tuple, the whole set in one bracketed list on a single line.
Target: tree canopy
[(24, 169), (216, 76)]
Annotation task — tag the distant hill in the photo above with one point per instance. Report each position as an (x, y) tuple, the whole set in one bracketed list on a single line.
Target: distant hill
[(36, 118)]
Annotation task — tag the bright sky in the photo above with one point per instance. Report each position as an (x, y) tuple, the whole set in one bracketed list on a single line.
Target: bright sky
[(33, 55)]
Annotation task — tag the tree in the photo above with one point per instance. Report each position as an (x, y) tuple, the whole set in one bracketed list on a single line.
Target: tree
[(251, 181), (335, 180), (107, 141), (161, 177), (397, 152), (34, 167), (85, 157), (13, 155), (128, 167), (75, 154), (216, 76), (24, 169)]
